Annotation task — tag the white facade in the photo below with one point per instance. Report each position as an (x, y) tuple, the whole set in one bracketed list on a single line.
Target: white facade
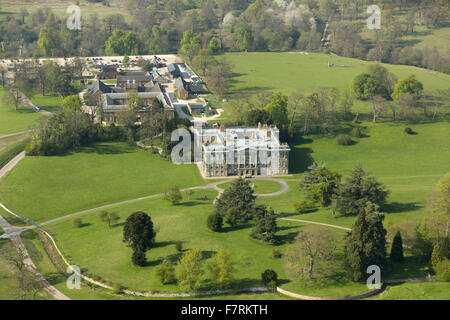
[(241, 151)]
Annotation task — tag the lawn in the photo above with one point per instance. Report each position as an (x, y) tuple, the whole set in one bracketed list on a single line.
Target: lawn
[(259, 186), (100, 250), (409, 165), (289, 71), (42, 188), (59, 7), (47, 103), (12, 120), (416, 291), (9, 286)]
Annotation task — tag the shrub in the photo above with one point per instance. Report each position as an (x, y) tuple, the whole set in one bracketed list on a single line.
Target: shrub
[(269, 277), (277, 253), (165, 272), (409, 131), (344, 139), (77, 222), (304, 206), (356, 132), (443, 270), (117, 288), (179, 246), (215, 222)]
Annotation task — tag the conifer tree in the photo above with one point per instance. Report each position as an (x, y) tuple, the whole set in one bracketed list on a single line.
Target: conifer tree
[(397, 248), (366, 243)]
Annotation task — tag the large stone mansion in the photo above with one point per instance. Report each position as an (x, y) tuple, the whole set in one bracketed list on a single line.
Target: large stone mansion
[(241, 151)]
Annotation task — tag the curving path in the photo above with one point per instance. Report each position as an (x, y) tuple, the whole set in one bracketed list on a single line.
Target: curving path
[(13, 233)]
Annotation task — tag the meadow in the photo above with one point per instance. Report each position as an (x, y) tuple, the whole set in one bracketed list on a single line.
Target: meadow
[(99, 249), (42, 188), (12, 121), (59, 7)]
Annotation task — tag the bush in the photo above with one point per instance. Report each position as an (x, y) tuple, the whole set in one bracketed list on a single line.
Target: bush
[(179, 246), (277, 253), (117, 288), (77, 222), (356, 132), (304, 206), (11, 151), (165, 272), (443, 270), (269, 278), (215, 222), (409, 131), (344, 139)]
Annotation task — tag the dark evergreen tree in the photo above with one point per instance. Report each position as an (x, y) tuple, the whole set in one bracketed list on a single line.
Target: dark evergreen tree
[(366, 243), (215, 222), (265, 225), (138, 233), (397, 248), (238, 196), (320, 183), (269, 277), (351, 197)]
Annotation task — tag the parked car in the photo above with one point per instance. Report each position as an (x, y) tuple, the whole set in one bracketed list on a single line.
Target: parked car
[(37, 109)]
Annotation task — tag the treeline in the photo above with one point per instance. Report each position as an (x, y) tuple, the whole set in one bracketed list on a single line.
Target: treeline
[(230, 25), (72, 128), (323, 110)]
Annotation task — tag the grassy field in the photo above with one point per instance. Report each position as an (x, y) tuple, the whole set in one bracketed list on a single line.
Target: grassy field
[(289, 71), (416, 291), (9, 287), (12, 120), (98, 174), (187, 223), (48, 103), (59, 7), (409, 165)]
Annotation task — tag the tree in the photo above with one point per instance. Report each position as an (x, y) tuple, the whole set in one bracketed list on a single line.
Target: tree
[(71, 103), (408, 85), (218, 77), (215, 222), (138, 233), (173, 195), (386, 79), (203, 61), (352, 196), (397, 248), (243, 38), (49, 37), (112, 218), (221, 268), (165, 272), (366, 243), (366, 86), (125, 61), (312, 254), (320, 183), (277, 109), (214, 44), (440, 207), (77, 222), (189, 271), (265, 225), (123, 43), (238, 196), (269, 278), (190, 44)]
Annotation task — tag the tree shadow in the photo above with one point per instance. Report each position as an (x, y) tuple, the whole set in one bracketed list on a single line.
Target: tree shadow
[(397, 207), (300, 159), (83, 225), (163, 244), (192, 203), (103, 149), (236, 228), (285, 238), (55, 277)]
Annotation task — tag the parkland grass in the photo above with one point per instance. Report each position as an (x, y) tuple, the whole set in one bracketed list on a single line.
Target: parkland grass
[(11, 120), (43, 188)]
